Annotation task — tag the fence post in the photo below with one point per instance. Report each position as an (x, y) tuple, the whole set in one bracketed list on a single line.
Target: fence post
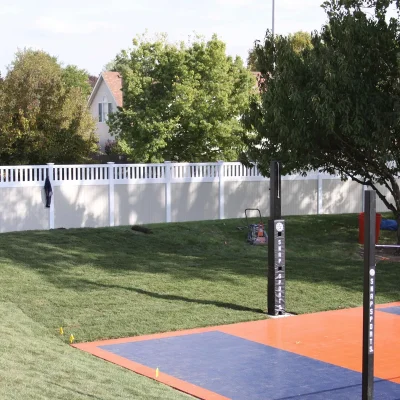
[(50, 167), (111, 202), (320, 195), (167, 191), (221, 189)]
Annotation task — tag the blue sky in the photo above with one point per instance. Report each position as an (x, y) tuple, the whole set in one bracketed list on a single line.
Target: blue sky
[(90, 33)]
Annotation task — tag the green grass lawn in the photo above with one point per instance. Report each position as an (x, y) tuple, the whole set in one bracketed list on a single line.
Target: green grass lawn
[(113, 282)]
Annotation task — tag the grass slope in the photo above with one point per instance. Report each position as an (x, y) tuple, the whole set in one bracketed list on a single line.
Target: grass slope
[(36, 365), (115, 282)]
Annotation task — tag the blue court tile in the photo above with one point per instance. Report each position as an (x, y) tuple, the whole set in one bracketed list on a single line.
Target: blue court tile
[(244, 370), (391, 310)]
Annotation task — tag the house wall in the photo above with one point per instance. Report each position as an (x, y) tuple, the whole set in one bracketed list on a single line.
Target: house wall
[(102, 129)]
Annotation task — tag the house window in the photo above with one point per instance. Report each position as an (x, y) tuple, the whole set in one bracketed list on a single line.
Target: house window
[(105, 108)]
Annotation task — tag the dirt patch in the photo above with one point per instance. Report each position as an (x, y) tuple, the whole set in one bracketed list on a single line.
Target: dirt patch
[(141, 229), (391, 255)]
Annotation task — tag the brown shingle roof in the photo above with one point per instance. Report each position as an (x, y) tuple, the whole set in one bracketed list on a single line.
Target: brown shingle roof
[(114, 83)]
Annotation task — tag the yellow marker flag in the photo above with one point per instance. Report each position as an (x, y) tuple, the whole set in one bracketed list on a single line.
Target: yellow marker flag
[(71, 338), (157, 371), (61, 331)]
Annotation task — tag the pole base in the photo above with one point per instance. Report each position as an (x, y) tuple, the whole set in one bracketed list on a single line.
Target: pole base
[(280, 316)]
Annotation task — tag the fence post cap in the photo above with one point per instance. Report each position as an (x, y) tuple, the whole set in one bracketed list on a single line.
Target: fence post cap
[(110, 162), (50, 163)]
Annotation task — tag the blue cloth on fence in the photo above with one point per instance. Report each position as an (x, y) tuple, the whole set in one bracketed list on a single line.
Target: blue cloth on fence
[(388, 225), (48, 191)]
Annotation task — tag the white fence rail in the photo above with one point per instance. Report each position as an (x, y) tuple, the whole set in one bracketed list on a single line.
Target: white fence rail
[(23, 174), (123, 194)]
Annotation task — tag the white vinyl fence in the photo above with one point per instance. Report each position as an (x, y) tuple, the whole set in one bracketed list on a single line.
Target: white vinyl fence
[(116, 194)]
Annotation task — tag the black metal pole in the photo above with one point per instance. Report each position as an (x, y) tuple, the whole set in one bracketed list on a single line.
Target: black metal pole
[(275, 191), (276, 246), (369, 296)]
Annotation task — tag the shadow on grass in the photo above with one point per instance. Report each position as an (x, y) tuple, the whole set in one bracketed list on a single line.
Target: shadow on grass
[(320, 249), (84, 284)]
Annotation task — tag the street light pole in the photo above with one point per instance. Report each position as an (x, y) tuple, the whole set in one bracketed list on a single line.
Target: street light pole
[(273, 29), (273, 17)]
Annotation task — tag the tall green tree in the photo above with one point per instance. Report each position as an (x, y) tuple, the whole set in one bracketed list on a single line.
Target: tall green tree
[(110, 66), (42, 118), (74, 77), (299, 41), (181, 102), (334, 106)]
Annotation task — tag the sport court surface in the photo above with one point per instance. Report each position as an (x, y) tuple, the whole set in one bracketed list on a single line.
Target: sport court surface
[(312, 356)]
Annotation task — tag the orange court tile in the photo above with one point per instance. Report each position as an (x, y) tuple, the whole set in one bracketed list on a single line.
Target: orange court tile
[(334, 337)]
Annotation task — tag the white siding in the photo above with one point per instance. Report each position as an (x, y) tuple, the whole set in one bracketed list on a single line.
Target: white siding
[(102, 127)]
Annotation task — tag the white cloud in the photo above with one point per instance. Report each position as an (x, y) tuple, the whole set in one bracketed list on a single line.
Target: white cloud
[(10, 10), (216, 17), (291, 4), (33, 46), (56, 25), (106, 9), (235, 3)]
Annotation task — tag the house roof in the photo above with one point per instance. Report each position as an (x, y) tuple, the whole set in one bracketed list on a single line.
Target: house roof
[(113, 80), (114, 83)]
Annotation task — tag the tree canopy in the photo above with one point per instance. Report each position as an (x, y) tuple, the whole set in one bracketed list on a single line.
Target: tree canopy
[(299, 41), (335, 106), (74, 77), (181, 102), (43, 118), (110, 66)]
